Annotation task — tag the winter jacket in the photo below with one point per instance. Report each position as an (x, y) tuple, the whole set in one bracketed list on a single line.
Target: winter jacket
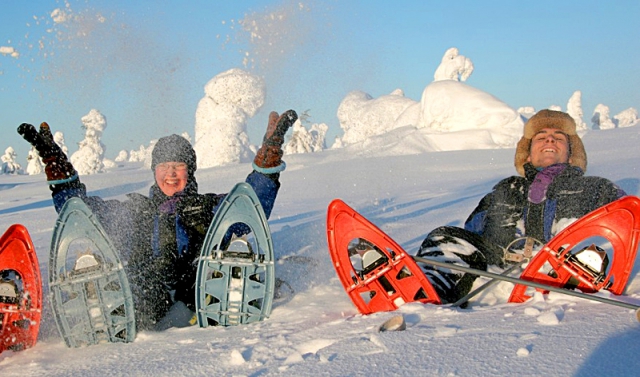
[(160, 237), (538, 205)]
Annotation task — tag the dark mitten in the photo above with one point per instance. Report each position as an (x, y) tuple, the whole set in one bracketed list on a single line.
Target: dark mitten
[(269, 157), (57, 167)]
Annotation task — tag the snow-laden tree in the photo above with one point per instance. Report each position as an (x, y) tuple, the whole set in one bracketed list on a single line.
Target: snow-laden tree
[(453, 67), (627, 118), (122, 156), (34, 162), (526, 112), (574, 109), (337, 143), (231, 98), (306, 141), (448, 106), (58, 138), (9, 164), (143, 154), (601, 119), (362, 116), (88, 158)]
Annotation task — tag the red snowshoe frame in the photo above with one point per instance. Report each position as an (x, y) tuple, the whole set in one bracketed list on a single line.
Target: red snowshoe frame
[(618, 222), (386, 285), (20, 320)]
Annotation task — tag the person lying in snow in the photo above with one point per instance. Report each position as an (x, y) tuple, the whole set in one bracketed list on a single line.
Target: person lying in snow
[(550, 193), (160, 235)]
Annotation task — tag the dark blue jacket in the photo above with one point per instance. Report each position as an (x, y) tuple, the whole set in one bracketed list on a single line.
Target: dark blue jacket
[(160, 237), (539, 204)]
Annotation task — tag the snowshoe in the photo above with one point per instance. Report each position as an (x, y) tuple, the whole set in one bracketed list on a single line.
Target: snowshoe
[(20, 291), (578, 257), (377, 274), (236, 276), (89, 291)]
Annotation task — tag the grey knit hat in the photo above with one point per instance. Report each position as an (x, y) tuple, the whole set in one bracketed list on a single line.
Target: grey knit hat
[(174, 148)]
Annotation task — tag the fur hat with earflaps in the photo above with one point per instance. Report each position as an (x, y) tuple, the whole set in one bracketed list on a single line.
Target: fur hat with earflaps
[(551, 119)]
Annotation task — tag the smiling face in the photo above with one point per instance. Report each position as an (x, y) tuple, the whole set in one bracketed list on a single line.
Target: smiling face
[(549, 146), (171, 177)]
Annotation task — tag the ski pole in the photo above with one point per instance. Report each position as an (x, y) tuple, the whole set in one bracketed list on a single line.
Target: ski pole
[(530, 284), (484, 286)]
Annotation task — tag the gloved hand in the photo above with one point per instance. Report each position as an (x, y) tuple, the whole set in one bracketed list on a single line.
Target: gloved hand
[(57, 167), (269, 157)]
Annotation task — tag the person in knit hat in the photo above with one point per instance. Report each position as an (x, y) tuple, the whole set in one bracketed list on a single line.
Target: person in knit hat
[(549, 192), (160, 234)]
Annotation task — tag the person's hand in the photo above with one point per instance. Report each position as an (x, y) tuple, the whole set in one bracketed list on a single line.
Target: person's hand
[(57, 167), (269, 156)]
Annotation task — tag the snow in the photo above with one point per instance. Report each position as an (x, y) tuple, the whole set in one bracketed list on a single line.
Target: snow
[(402, 183)]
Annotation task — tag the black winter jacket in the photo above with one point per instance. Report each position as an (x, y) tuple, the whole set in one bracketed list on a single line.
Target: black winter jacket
[(539, 205)]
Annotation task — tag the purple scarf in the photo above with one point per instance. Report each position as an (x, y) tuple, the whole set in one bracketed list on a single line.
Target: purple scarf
[(541, 182)]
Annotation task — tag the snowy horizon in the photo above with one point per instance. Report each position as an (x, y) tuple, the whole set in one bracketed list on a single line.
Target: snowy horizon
[(447, 108)]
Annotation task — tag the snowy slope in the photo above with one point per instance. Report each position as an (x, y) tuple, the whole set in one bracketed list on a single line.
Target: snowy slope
[(316, 330)]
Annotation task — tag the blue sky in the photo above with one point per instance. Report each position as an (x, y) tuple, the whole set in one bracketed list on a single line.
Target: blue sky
[(145, 66)]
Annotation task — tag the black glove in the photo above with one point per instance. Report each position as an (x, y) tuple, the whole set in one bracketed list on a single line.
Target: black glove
[(57, 167), (269, 156)]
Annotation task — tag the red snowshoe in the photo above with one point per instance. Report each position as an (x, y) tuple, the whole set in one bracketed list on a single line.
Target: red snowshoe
[(578, 256), (20, 290), (377, 274)]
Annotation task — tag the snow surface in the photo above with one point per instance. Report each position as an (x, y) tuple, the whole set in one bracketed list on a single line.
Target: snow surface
[(399, 184)]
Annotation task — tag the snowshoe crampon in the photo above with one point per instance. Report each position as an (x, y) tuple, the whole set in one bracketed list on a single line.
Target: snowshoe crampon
[(596, 252), (236, 275), (376, 272), (89, 290), (20, 290)]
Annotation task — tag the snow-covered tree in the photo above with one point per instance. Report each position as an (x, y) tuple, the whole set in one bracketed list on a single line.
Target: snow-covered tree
[(122, 156), (453, 67), (362, 116), (448, 106), (9, 164), (58, 137), (34, 162), (574, 109), (143, 154), (306, 141), (527, 110), (231, 98), (88, 158), (337, 143), (600, 119), (627, 118), (109, 164)]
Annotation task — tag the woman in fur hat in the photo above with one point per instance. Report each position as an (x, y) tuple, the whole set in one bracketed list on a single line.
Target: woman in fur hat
[(550, 192), (160, 235)]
